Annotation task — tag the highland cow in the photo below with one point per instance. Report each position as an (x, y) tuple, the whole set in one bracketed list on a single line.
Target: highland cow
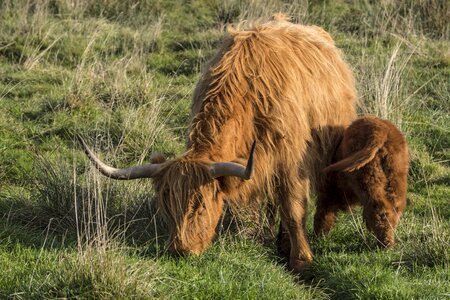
[(282, 85), (370, 169)]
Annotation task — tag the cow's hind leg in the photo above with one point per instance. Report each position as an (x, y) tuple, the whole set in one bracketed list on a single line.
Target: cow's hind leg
[(293, 203), (324, 220)]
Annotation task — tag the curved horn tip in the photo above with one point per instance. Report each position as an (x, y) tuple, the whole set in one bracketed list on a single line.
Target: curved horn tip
[(141, 171), (81, 141), (249, 168), (219, 169), (79, 138)]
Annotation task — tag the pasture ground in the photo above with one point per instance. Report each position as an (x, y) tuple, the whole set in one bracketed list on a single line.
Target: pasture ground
[(121, 73)]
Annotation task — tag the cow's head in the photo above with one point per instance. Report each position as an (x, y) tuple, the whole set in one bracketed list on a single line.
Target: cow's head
[(188, 194)]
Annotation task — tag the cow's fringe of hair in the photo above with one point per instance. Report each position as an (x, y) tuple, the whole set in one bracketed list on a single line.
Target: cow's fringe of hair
[(180, 178), (183, 179)]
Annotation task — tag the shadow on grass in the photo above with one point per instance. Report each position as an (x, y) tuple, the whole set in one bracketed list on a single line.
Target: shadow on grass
[(25, 223), (20, 225)]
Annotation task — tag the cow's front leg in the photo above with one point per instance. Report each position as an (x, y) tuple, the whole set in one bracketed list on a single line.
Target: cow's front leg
[(293, 214)]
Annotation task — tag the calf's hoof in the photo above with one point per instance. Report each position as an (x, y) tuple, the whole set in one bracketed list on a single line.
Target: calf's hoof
[(385, 244)]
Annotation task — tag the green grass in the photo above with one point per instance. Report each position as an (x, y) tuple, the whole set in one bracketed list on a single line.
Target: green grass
[(121, 73)]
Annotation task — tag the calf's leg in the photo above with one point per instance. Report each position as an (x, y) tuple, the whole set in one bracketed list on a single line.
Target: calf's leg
[(324, 218)]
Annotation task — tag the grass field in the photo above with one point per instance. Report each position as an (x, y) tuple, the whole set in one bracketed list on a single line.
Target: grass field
[(121, 73)]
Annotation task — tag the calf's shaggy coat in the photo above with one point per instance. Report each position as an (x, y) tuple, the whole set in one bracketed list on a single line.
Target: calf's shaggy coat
[(370, 168), (283, 85)]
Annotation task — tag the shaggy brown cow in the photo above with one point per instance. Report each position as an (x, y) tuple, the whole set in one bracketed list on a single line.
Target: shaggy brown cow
[(282, 85), (371, 167)]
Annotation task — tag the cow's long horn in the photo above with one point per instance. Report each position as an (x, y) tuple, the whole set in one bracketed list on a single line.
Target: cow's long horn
[(143, 171), (234, 169)]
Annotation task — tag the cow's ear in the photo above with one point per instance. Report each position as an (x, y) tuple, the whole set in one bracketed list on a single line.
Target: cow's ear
[(157, 158)]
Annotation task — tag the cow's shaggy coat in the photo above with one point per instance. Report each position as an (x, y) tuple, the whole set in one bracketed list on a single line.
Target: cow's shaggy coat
[(282, 85), (370, 169)]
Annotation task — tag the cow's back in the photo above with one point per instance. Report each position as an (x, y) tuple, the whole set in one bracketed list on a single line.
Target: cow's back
[(281, 84)]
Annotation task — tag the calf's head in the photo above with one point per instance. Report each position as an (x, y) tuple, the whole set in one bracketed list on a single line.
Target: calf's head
[(188, 195), (382, 219)]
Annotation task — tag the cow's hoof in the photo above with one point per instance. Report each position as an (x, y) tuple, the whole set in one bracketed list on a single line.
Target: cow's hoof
[(298, 266)]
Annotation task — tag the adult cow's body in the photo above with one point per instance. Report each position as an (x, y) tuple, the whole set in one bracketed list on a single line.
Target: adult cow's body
[(283, 85)]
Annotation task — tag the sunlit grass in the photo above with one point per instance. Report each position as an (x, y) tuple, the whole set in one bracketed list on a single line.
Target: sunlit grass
[(121, 74)]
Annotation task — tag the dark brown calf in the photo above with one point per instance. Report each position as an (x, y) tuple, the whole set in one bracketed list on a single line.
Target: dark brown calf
[(370, 169)]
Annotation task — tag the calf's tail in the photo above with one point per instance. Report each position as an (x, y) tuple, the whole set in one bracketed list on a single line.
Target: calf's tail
[(360, 158)]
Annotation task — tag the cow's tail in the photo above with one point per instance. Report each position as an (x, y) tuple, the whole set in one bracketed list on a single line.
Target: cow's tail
[(361, 157)]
